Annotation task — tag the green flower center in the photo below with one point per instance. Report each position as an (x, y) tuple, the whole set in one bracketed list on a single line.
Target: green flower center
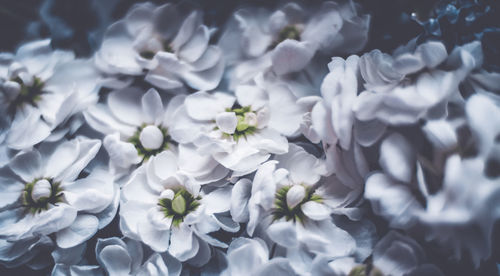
[(147, 54), (180, 206), (288, 32), (29, 94), (246, 125), (281, 209), (145, 152), (40, 193)]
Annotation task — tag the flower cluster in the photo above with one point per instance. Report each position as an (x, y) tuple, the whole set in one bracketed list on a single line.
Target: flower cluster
[(273, 144)]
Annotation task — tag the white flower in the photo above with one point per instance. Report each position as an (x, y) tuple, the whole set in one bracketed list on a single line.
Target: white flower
[(167, 211), (122, 257), (462, 215), (42, 196), (283, 199), (287, 39), (391, 191), (251, 257), (136, 126), (41, 90), (396, 98), (238, 132), (398, 255), (332, 117), (171, 46)]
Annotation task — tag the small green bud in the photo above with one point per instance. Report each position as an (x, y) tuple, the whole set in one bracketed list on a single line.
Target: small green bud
[(179, 204), (242, 125)]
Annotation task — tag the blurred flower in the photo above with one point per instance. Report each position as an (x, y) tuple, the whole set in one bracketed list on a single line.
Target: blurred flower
[(287, 39), (41, 90), (170, 46), (122, 257)]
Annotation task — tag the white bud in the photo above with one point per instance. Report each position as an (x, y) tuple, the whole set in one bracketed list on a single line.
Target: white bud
[(11, 89), (151, 137), (295, 195), (251, 119), (42, 188), (168, 194)]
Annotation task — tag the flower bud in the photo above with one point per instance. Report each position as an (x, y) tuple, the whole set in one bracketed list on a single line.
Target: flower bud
[(41, 189), (295, 195), (167, 194), (179, 204), (151, 137), (11, 89), (251, 119)]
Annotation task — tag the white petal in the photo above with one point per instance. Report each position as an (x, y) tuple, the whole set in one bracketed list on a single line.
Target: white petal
[(391, 200), (315, 210), (117, 53), (323, 28), (116, 260), (183, 244), (122, 154), (204, 106), (65, 154), (240, 195), (432, 53), (226, 121), (27, 165), (286, 114), (157, 239), (152, 106), (283, 233), (88, 149), (84, 227), (186, 31), (27, 131), (321, 123), (92, 194), (196, 46), (397, 157), (125, 105), (251, 95), (11, 191), (217, 201), (291, 56)]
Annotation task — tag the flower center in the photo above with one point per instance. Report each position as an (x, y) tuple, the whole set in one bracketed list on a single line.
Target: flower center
[(289, 199), (39, 194), (149, 54), (29, 94), (247, 122), (150, 140), (288, 32), (177, 205)]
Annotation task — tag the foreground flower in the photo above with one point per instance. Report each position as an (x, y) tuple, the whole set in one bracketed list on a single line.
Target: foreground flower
[(41, 89), (171, 46), (238, 132), (44, 197), (287, 39), (136, 125), (167, 211), (284, 199), (122, 257)]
